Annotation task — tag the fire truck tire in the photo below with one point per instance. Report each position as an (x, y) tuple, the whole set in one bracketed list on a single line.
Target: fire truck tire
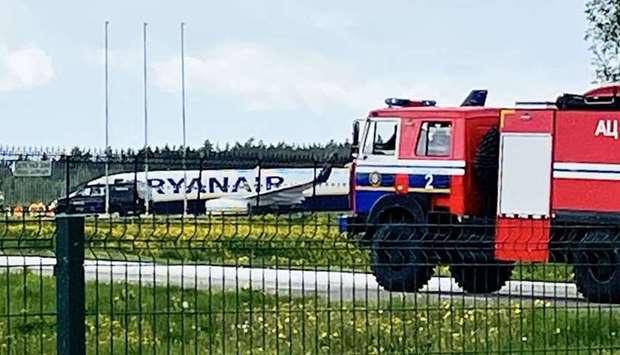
[(597, 267), (487, 157), (486, 163), (390, 209), (481, 278), (397, 261)]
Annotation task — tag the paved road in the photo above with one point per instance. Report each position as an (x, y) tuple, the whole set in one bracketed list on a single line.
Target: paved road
[(332, 284)]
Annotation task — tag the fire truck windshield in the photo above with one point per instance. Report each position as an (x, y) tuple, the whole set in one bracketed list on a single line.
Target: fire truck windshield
[(380, 137)]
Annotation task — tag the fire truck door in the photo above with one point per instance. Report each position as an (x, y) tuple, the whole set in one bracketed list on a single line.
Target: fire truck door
[(525, 174)]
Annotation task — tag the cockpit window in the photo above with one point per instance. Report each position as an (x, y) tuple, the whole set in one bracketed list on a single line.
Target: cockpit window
[(380, 138), (435, 139)]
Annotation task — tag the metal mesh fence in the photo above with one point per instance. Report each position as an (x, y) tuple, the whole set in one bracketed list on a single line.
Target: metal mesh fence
[(292, 283), (284, 280), (28, 190), (28, 298)]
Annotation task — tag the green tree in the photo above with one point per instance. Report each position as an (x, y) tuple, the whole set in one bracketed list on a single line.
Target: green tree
[(603, 34), (208, 146)]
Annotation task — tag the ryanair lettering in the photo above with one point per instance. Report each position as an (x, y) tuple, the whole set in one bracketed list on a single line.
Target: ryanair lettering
[(214, 185), (607, 128)]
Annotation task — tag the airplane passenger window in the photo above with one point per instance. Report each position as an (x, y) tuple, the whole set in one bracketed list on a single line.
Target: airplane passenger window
[(435, 139)]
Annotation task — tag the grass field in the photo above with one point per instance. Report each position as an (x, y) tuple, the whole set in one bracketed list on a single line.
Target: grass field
[(124, 318), (287, 241)]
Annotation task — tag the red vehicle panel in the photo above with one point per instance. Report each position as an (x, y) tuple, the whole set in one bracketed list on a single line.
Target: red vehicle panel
[(586, 161), (586, 195), (587, 137), (527, 121)]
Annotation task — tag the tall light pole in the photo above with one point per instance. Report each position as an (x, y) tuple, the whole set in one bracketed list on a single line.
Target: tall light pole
[(146, 125), (107, 124), (183, 118)]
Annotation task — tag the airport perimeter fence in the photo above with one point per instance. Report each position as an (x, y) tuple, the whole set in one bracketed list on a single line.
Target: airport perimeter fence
[(294, 284), (31, 179)]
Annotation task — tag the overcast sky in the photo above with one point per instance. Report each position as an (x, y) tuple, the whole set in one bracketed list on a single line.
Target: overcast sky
[(294, 71)]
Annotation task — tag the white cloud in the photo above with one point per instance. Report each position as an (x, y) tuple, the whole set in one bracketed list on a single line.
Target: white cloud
[(24, 68), (260, 78)]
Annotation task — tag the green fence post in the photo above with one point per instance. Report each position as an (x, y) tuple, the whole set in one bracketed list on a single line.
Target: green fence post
[(70, 328)]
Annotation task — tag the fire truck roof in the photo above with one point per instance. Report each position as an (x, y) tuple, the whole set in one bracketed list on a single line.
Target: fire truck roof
[(433, 111), (604, 91)]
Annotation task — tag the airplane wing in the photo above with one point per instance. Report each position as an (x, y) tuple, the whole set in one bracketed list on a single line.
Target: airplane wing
[(287, 196)]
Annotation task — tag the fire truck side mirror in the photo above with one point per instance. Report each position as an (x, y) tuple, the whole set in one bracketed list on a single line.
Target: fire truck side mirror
[(356, 138)]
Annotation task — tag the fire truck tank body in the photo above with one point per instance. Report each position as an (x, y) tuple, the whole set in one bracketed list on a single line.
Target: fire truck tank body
[(586, 169)]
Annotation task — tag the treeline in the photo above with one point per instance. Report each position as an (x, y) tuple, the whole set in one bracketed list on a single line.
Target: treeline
[(250, 150)]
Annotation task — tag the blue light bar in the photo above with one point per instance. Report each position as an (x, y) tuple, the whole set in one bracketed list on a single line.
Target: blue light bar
[(396, 102)]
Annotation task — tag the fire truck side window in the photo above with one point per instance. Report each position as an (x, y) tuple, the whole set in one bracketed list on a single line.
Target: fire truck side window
[(381, 138), (435, 139)]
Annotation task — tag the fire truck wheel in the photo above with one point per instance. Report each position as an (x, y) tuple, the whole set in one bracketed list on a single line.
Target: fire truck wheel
[(597, 267), (481, 278), (398, 263)]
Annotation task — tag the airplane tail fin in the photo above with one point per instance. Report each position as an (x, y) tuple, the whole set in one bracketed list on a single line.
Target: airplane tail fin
[(475, 98)]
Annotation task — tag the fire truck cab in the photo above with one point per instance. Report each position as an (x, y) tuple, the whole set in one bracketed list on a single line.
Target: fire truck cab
[(512, 185)]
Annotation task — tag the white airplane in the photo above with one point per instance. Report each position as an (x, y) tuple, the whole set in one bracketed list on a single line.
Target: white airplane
[(280, 196), (237, 189)]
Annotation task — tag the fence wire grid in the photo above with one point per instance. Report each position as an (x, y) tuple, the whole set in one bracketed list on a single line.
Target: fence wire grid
[(292, 283), (282, 280)]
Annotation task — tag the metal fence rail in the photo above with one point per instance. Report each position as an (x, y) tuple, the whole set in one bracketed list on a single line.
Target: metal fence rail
[(288, 283)]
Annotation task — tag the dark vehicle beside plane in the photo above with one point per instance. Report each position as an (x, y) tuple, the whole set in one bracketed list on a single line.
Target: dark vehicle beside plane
[(126, 198)]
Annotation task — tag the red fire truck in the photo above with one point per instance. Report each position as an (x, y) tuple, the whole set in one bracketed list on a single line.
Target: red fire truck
[(481, 188)]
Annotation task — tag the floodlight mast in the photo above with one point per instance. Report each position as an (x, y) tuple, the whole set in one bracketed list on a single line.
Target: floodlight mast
[(107, 123), (146, 122), (185, 211)]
